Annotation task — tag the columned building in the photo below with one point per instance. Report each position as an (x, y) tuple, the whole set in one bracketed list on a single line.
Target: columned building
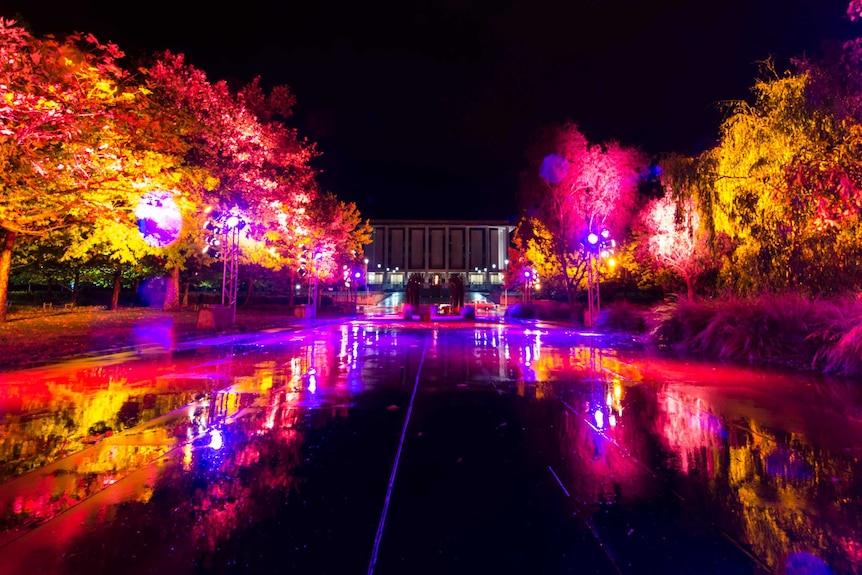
[(437, 249)]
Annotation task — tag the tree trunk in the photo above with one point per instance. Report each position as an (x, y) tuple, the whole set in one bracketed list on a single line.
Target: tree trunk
[(172, 291), (76, 290), (117, 287), (186, 288), (689, 285), (5, 268), (249, 290), (292, 289)]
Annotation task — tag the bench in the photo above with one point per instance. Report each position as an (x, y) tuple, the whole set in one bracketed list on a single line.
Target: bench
[(47, 305), (69, 305)]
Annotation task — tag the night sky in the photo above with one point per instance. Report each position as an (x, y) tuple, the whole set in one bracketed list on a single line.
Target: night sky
[(425, 108)]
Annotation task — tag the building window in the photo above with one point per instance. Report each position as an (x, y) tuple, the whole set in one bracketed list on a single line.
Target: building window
[(476, 278)]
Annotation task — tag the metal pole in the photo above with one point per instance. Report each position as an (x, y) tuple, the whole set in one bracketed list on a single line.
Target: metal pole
[(234, 248), (316, 290), (506, 283), (224, 274), (593, 301)]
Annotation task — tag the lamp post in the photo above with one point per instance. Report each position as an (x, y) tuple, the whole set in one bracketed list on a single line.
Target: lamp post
[(597, 245), (366, 282), (234, 223), (228, 225), (317, 257), (505, 283)]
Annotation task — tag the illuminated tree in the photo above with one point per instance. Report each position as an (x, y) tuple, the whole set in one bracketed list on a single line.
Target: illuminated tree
[(674, 237), (256, 162), (574, 188), (338, 233), (535, 254), (785, 181), (67, 114)]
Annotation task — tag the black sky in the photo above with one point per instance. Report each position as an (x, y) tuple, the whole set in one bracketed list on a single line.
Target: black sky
[(424, 108)]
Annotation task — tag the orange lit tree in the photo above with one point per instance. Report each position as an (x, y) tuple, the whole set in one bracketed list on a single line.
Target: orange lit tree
[(66, 114), (780, 193)]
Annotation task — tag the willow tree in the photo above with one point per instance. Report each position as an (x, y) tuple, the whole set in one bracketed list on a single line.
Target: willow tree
[(787, 179), (574, 188), (758, 141), (675, 238)]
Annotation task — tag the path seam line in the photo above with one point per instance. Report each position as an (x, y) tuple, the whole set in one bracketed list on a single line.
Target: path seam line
[(379, 534)]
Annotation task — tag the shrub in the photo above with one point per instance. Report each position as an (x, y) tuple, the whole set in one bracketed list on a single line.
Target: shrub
[(623, 316), (839, 338), (787, 328)]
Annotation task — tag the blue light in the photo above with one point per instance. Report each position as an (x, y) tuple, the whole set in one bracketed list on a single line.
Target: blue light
[(554, 168)]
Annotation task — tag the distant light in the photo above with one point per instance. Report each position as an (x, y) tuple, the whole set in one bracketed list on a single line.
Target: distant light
[(216, 440), (600, 419), (593, 238)]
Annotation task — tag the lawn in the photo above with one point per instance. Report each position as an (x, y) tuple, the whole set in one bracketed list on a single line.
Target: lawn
[(34, 336)]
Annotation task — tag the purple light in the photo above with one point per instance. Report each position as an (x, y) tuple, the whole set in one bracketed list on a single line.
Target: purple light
[(159, 218), (554, 168)]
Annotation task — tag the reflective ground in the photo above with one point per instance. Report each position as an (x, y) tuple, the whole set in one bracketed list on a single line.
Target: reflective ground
[(411, 448)]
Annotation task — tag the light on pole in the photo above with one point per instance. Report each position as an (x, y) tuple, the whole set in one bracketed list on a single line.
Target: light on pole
[(597, 245), (505, 283), (227, 225), (317, 257), (366, 281)]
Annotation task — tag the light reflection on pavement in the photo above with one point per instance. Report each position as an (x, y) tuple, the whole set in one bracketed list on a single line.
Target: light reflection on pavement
[(530, 448)]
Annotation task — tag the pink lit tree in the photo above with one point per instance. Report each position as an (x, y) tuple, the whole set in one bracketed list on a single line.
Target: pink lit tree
[(251, 158), (674, 237), (574, 188)]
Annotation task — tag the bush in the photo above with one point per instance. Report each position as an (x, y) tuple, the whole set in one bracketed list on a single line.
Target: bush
[(623, 316), (839, 337), (822, 333)]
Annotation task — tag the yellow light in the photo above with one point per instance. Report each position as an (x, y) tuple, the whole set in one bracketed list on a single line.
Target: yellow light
[(612, 262)]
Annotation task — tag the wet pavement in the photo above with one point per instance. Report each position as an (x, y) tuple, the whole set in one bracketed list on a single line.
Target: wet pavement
[(396, 447)]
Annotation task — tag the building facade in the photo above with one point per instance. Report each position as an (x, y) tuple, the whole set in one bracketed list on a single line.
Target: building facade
[(477, 250)]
